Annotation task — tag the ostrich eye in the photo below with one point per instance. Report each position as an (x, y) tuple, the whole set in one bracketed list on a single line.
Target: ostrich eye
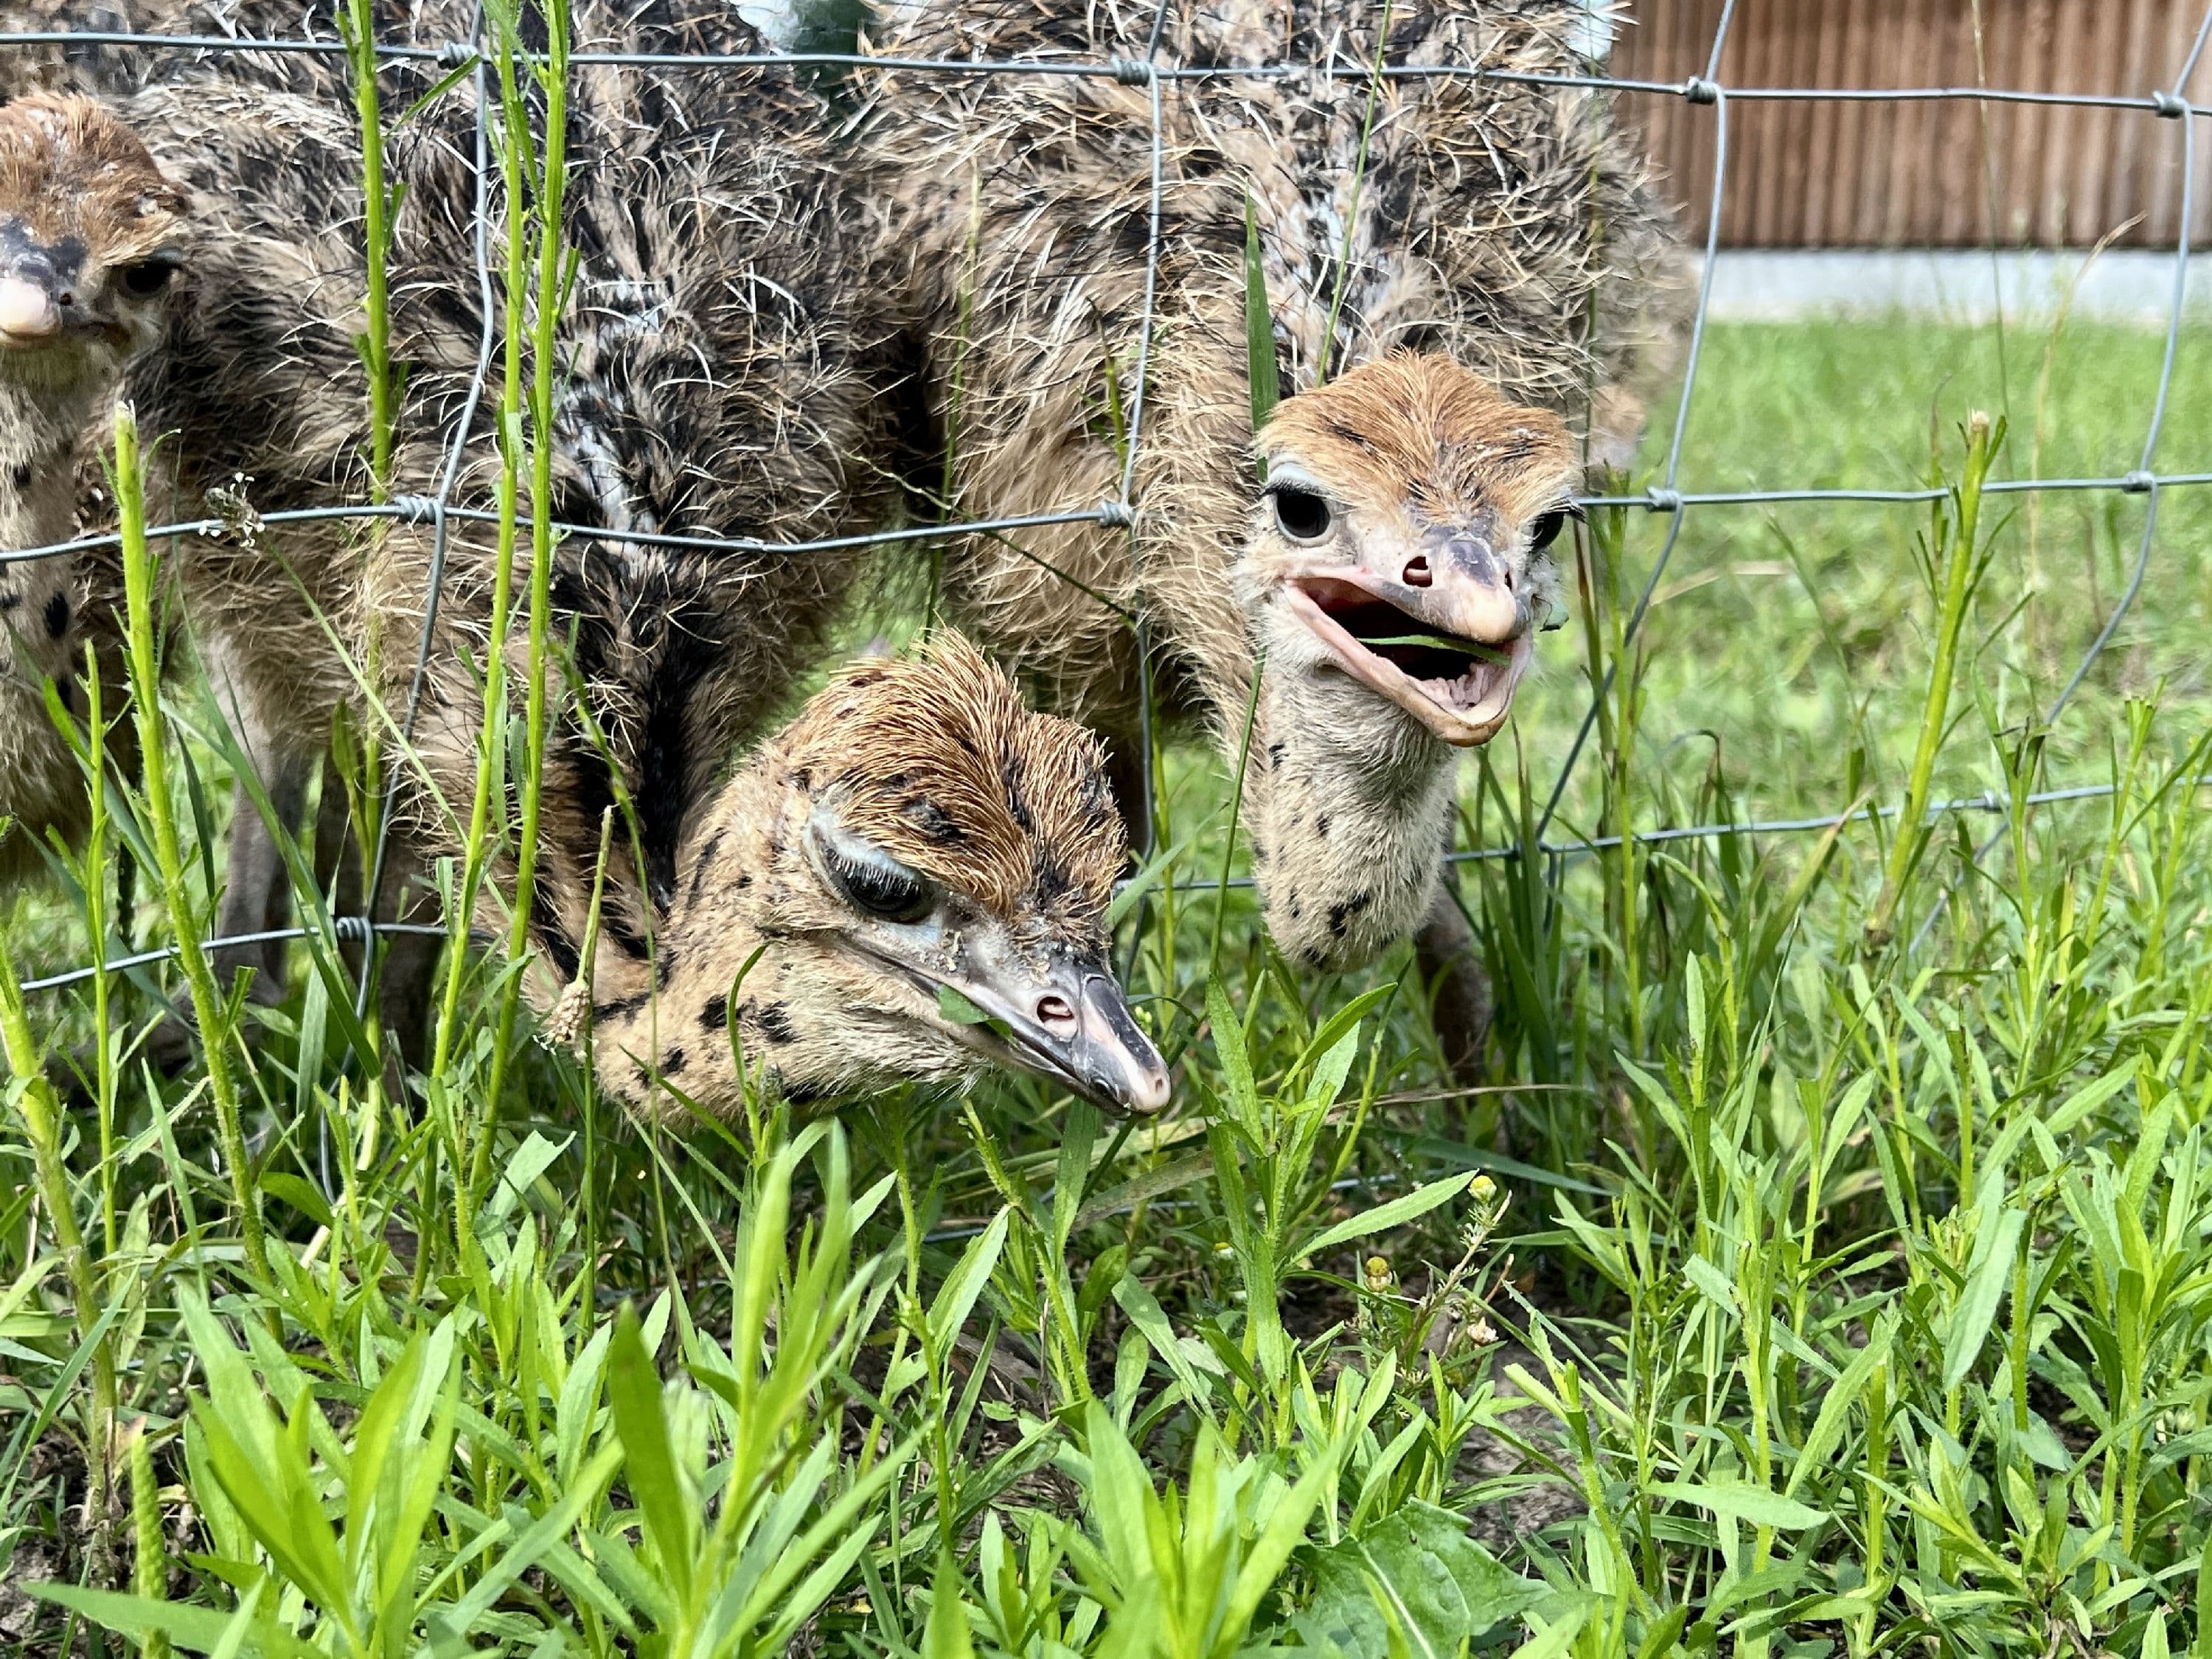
[(879, 884), (1302, 515), (1545, 530), (149, 277)]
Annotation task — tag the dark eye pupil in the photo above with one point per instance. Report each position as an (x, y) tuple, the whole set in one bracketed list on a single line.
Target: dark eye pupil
[(1303, 514), (894, 894), (1545, 530), (149, 277)]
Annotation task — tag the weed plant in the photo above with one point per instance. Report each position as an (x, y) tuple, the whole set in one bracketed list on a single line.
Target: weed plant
[(1827, 1272)]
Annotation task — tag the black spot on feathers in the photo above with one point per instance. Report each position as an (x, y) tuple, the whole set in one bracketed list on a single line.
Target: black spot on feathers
[(934, 821), (774, 1024), (1049, 883), (552, 938), (706, 863), (1339, 914)]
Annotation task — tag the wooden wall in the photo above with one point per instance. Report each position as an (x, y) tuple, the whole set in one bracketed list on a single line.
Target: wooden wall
[(1958, 173)]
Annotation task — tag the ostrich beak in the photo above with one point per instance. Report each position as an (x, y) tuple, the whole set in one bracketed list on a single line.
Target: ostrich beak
[(28, 315), (1443, 633), (1068, 1022)]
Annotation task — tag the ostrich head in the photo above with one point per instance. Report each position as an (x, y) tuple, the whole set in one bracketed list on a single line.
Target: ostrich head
[(923, 866), (88, 246), (1394, 574), (1401, 543)]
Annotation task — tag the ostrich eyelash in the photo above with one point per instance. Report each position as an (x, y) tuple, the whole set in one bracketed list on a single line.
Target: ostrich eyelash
[(893, 893)]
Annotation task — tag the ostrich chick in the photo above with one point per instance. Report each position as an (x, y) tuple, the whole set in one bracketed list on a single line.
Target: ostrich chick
[(88, 249), (720, 375), (1394, 577), (1435, 250), (915, 830)]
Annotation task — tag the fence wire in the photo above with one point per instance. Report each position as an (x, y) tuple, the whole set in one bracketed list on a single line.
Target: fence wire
[(1706, 91)]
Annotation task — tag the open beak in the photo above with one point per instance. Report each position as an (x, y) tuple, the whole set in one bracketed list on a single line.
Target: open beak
[(1069, 1023), (1444, 636)]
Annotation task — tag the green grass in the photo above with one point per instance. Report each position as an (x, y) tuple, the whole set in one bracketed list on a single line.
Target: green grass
[(1821, 1286)]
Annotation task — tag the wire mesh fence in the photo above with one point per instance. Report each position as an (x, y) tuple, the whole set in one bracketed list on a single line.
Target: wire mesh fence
[(1707, 94)]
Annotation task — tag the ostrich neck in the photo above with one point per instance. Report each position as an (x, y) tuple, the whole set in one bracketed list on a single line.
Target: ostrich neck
[(40, 425), (671, 1015), (1349, 801)]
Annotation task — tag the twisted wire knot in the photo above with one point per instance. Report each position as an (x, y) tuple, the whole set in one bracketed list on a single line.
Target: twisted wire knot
[(1119, 514), (2140, 482), (415, 509), (1658, 500), (1698, 90), (1130, 71), (452, 54), (2169, 105), (352, 930)]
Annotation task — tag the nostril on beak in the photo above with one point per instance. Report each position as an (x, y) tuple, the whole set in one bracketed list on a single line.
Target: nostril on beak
[(1418, 573), (1055, 1012)]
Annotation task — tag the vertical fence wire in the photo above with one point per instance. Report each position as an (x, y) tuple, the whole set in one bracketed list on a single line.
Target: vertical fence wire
[(1667, 498), (440, 516)]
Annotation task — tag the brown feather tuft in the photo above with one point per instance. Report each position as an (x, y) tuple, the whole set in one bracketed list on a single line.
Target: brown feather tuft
[(70, 168), (937, 761), (1413, 416)]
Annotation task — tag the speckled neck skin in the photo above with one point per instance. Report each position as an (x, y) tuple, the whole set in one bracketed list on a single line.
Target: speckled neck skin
[(41, 631), (1350, 800)]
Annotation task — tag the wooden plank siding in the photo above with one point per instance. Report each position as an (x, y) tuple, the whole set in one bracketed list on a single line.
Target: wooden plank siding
[(1958, 173)]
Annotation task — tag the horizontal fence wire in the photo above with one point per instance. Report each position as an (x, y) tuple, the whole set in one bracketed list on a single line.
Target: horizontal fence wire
[(352, 929), (1694, 89), (344, 929), (423, 510), (1707, 90)]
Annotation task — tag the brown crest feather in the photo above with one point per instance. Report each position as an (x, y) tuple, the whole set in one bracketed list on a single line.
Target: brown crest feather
[(1409, 424), (70, 168), (937, 761)]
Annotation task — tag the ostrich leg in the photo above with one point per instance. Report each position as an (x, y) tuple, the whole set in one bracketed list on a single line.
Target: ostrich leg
[(1459, 983), (406, 979), (257, 887)]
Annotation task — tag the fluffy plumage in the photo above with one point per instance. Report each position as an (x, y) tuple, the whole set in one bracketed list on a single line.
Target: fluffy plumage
[(915, 832), (717, 378), (88, 227), (1498, 230)]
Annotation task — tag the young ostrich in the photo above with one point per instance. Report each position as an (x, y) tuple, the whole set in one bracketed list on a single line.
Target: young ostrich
[(718, 376), (1436, 251), (88, 228), (915, 829)]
